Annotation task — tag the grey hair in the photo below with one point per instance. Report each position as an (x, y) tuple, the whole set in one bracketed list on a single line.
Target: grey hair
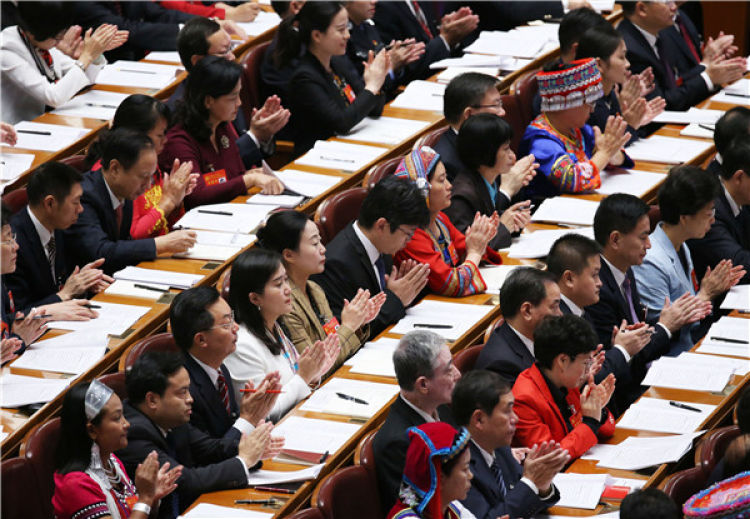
[(416, 356)]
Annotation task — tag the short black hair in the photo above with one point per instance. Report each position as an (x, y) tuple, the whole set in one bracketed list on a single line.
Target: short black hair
[(125, 145), (563, 334), (281, 7), (618, 212), (44, 20), (5, 214), (736, 157), (574, 23), (51, 178), (743, 411), (398, 201), (524, 284), (649, 503), (464, 91), (628, 7), (600, 41), (140, 112), (686, 190), (188, 314), (734, 122), (571, 252), (192, 39), (283, 230), (477, 389), (150, 373), (480, 137)]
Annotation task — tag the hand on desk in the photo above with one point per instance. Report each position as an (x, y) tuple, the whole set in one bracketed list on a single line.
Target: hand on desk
[(175, 241), (257, 403), (89, 278), (543, 462), (28, 328), (8, 134), (268, 184), (408, 280), (269, 119), (73, 310)]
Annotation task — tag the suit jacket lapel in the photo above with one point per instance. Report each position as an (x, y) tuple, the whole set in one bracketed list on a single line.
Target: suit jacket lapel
[(207, 389), (516, 344), (102, 193), (359, 249), (608, 279), (38, 253), (483, 475)]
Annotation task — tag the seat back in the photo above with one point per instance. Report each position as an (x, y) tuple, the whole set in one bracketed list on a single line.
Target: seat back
[(348, 492), (223, 284), (39, 449), (516, 118), (379, 171), (336, 212), (365, 455), (116, 382), (157, 342), (466, 358), (526, 87), (685, 483), (250, 92), (494, 325), (430, 139), (308, 513), (77, 162), (19, 490), (654, 216), (715, 445), (16, 200)]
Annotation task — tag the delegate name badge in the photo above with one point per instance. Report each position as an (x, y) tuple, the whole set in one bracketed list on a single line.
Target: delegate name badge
[(331, 326), (215, 177)]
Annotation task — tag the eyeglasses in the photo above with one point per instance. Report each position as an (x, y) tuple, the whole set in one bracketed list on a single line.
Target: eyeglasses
[(410, 235), (497, 105), (11, 241), (226, 326)]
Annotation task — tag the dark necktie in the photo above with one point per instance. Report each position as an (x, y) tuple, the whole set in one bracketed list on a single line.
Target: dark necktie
[(499, 477), (118, 218), (421, 18), (51, 252), (627, 290), (669, 73), (172, 451), (380, 265), (221, 386), (688, 40)]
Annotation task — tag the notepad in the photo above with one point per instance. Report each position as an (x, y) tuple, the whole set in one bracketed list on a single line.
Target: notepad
[(738, 298), (200, 251), (128, 289), (49, 137), (537, 244), (654, 414), (113, 318), (636, 453), (314, 435), (137, 74), (274, 477), (95, 104), (229, 218), (13, 165), (306, 183), (580, 490), (18, 390), (566, 210), (209, 511), (697, 130), (343, 156), (60, 360), (494, 276), (421, 95), (384, 130), (179, 280), (693, 115), (287, 201), (326, 400), (632, 182), (374, 358), (667, 150), (728, 336), (686, 373), (447, 319), (264, 21)]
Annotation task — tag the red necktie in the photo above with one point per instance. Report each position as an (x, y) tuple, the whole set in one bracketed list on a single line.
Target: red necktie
[(688, 40), (47, 57), (421, 18), (221, 384)]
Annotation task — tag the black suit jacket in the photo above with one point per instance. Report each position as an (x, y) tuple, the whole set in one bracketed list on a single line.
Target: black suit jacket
[(641, 56), (684, 60), (348, 269), (484, 499), (318, 109), (32, 283), (714, 167), (469, 196), (364, 38), (95, 234), (209, 464), (446, 147), (504, 16), (209, 414), (505, 354), (728, 238)]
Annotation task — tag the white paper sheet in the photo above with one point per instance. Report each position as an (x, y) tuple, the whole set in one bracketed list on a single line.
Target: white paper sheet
[(77, 339), (474, 60), (313, 435), (113, 318), (567, 210), (242, 218), (494, 276), (18, 390), (383, 347), (741, 87), (384, 130), (288, 201), (325, 399), (580, 490), (180, 280), (60, 360), (306, 183), (635, 453), (437, 315), (599, 451), (137, 74), (693, 115), (272, 477), (667, 150), (421, 95), (209, 252), (654, 414), (59, 136), (737, 366), (223, 239), (12, 165), (537, 244), (376, 360), (340, 155), (679, 373), (127, 288), (728, 336), (264, 21), (633, 181), (697, 130), (168, 56), (451, 72), (729, 98), (209, 511), (523, 42), (95, 104), (738, 298)]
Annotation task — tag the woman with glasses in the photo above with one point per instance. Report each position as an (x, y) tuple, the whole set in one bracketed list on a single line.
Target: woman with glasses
[(570, 153), (259, 294), (46, 61), (296, 237)]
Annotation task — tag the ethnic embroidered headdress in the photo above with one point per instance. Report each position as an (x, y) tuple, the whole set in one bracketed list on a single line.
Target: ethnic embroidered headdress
[(728, 499), (570, 88), (417, 166)]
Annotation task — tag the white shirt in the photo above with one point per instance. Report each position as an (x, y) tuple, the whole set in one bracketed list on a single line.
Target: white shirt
[(240, 424), (427, 418), (732, 204), (44, 234), (116, 202), (574, 308), (525, 340), (372, 252)]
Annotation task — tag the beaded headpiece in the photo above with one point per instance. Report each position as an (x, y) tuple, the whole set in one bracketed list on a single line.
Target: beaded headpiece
[(97, 396), (417, 166), (570, 88)]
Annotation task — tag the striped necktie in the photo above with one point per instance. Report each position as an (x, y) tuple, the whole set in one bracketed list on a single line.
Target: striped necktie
[(499, 477), (221, 386)]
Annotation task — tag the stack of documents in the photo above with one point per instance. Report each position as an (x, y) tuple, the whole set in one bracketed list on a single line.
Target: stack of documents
[(449, 320), (421, 95), (632, 182), (537, 244), (494, 276), (728, 336), (698, 130), (179, 280), (738, 93), (522, 42), (17, 390), (151, 291), (12, 165), (96, 104), (580, 490), (113, 318), (738, 298), (264, 21), (306, 183), (667, 150), (635, 453), (209, 511), (451, 72), (374, 358), (47, 137), (475, 60), (231, 218), (566, 210), (273, 477), (654, 414), (287, 201), (208, 252), (224, 239), (691, 373), (309, 435), (693, 115), (340, 155), (137, 74), (338, 394), (385, 130)]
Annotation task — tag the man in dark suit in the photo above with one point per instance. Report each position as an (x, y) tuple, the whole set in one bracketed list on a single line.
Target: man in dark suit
[(734, 122), (404, 20), (158, 409), (647, 47), (729, 236), (204, 328), (201, 37), (426, 375), (360, 255), (527, 296), (483, 403), (103, 228), (41, 278)]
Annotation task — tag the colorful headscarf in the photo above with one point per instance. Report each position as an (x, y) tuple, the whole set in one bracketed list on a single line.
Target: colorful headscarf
[(431, 446), (570, 88), (728, 499), (417, 166)]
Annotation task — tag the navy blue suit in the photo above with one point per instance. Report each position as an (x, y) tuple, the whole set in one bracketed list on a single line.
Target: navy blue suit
[(447, 148), (504, 16), (32, 283), (209, 413), (505, 354), (485, 500), (95, 234)]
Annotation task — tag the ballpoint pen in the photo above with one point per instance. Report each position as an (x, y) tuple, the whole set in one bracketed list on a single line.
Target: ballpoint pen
[(352, 398)]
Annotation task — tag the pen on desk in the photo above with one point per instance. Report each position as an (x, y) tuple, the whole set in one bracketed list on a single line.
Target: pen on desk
[(92, 307), (100, 105), (136, 71), (33, 132), (271, 501), (336, 159), (278, 490), (736, 95), (222, 213), (435, 326), (352, 398), (683, 406), (707, 127), (726, 339), (267, 391), (147, 287), (324, 457)]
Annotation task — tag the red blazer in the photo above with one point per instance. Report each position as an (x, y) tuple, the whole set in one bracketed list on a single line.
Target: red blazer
[(539, 418)]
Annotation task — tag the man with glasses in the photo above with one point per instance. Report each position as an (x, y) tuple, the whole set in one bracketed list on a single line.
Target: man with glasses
[(204, 328)]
